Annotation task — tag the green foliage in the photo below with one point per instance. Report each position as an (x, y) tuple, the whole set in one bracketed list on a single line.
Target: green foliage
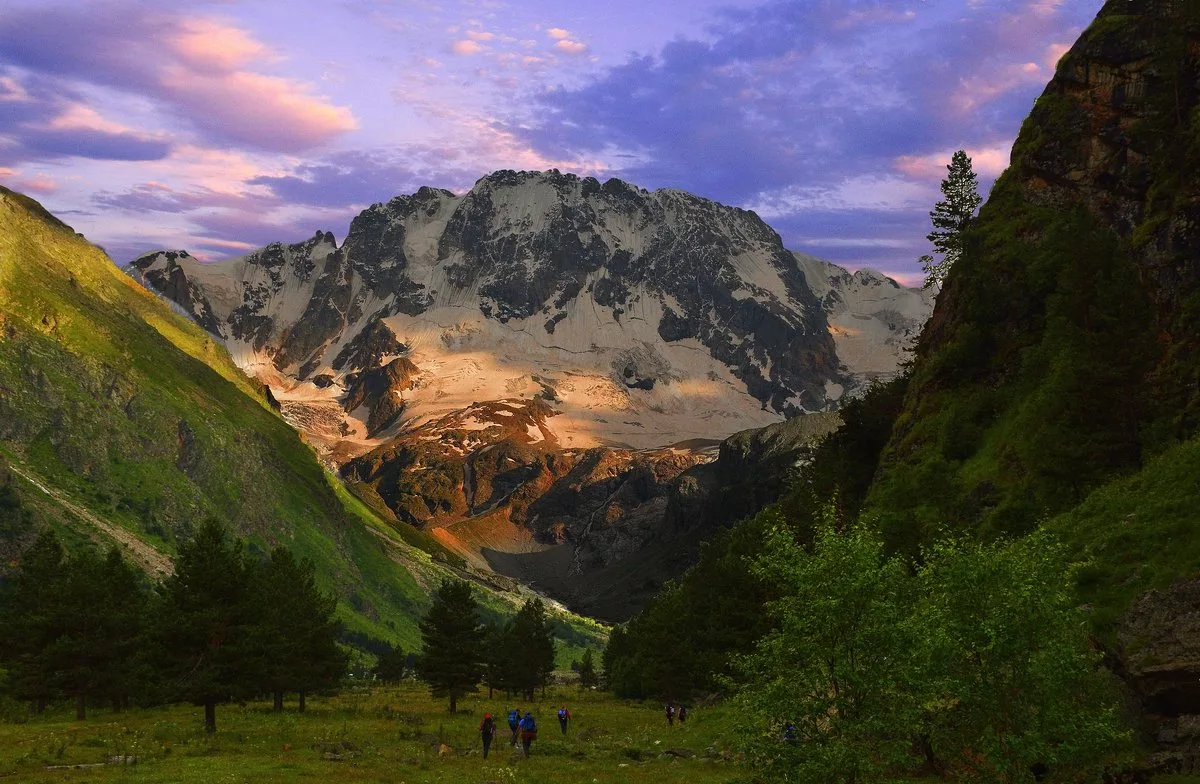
[(1013, 679), (451, 661), (950, 218), (978, 666), (294, 632), (203, 622), (530, 641), (841, 663), (31, 620), (392, 665), (587, 671)]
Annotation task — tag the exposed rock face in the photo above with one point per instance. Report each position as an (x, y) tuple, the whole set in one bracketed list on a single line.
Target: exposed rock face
[(1160, 650), (512, 367)]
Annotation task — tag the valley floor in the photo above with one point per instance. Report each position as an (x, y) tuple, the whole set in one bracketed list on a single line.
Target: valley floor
[(377, 735)]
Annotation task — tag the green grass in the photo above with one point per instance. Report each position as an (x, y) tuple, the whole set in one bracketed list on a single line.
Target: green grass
[(383, 734)]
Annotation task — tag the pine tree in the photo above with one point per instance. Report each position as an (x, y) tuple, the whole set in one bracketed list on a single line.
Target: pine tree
[(950, 217), (294, 633), (202, 623), (499, 651), (452, 659), (29, 619), (587, 670), (392, 665), (534, 648)]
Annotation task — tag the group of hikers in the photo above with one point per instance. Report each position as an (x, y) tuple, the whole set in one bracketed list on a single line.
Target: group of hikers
[(523, 728)]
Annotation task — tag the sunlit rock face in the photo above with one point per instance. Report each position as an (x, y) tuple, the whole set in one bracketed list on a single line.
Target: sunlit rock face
[(463, 354)]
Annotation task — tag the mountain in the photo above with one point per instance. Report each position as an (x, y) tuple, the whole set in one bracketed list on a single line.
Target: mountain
[(529, 368), (123, 422)]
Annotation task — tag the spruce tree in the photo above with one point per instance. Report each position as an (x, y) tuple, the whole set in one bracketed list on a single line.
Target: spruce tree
[(587, 670), (950, 218), (498, 655), (452, 659), (202, 623), (533, 639), (294, 633), (30, 621), (392, 665)]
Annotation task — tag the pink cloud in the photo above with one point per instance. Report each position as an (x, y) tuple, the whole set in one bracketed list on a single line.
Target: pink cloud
[(480, 35), (985, 161), (1054, 53), (558, 32), (209, 44), (39, 183), (570, 47), (465, 48)]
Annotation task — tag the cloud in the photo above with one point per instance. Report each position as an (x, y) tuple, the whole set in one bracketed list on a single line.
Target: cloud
[(202, 69), (570, 47), (985, 161), (465, 47), (558, 32)]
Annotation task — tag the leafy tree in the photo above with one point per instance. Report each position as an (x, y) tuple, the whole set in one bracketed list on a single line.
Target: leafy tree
[(294, 633), (202, 624), (452, 659), (950, 218), (587, 670), (840, 666), (533, 648), (392, 665), (1015, 680)]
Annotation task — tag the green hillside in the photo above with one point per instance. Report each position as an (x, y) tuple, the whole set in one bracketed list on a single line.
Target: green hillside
[(121, 420)]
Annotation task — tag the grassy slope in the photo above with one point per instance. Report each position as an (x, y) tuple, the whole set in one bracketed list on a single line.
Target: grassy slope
[(136, 415)]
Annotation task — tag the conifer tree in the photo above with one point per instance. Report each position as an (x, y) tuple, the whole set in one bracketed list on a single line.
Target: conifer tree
[(452, 659), (30, 621), (950, 218), (533, 639), (587, 670), (294, 631), (498, 656), (392, 665), (202, 623)]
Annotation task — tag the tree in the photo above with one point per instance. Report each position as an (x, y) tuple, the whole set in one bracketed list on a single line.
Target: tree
[(950, 218), (30, 620), (841, 665), (533, 642), (392, 665), (295, 632), (587, 670), (96, 625), (452, 635), (1015, 681), (202, 623), (499, 652)]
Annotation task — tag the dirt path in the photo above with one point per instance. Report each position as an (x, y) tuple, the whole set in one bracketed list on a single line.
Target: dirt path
[(150, 560)]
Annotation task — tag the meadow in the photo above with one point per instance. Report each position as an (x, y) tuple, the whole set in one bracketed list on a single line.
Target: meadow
[(377, 734)]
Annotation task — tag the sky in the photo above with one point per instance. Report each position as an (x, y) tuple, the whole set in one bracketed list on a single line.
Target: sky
[(218, 126)]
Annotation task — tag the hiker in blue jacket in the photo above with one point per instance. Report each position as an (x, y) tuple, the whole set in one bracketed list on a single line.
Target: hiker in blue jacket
[(528, 732), (564, 716), (514, 720)]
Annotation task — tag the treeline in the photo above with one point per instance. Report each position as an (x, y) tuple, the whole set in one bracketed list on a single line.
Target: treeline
[(223, 626)]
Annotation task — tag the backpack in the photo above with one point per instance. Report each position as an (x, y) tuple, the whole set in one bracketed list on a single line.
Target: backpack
[(562, 713), (513, 718), (488, 727)]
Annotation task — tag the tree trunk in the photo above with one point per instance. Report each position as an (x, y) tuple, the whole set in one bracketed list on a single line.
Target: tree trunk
[(39, 706), (278, 706), (300, 706), (489, 691), (80, 706), (454, 703), (210, 717)]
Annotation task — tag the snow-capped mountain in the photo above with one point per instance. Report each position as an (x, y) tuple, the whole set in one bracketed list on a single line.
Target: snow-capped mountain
[(466, 356)]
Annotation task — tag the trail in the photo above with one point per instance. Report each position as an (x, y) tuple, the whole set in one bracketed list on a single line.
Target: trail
[(150, 560)]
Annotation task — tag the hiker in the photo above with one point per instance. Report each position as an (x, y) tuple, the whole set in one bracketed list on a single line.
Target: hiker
[(682, 714), (514, 719), (487, 728), (789, 734), (528, 732), (670, 715), (564, 716)]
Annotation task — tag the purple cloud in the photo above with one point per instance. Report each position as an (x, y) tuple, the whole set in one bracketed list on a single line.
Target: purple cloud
[(92, 143)]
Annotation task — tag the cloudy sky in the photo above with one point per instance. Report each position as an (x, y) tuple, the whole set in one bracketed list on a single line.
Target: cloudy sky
[(218, 126)]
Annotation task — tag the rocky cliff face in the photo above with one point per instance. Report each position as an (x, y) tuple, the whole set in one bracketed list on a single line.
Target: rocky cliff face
[(537, 360)]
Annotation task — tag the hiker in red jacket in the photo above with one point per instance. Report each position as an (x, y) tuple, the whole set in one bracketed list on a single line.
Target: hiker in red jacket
[(487, 730)]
